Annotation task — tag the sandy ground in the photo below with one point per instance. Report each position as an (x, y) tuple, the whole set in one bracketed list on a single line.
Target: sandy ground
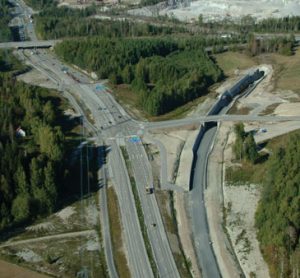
[(9, 270), (233, 9), (240, 203), (214, 205), (173, 142), (34, 77)]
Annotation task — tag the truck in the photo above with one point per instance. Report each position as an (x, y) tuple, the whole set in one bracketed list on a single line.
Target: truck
[(149, 190)]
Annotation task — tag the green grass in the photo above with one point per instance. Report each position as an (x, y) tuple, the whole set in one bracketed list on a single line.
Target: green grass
[(230, 61), (246, 172), (116, 234)]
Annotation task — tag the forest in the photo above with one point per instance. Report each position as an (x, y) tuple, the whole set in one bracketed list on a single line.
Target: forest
[(32, 167), (165, 73), (277, 217), (278, 213), (54, 23), (40, 4), (5, 32), (248, 24), (282, 44)]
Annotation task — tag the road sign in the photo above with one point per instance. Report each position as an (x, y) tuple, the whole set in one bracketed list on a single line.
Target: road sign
[(134, 139), (100, 87)]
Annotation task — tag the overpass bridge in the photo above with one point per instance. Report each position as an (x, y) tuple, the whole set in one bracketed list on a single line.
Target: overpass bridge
[(29, 44)]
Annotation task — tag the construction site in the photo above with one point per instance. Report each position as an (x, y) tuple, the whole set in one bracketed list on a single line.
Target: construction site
[(216, 10)]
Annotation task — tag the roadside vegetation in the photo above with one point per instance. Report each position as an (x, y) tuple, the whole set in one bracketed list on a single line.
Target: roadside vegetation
[(5, 17), (249, 24), (35, 165), (40, 4), (165, 199), (164, 73), (116, 234), (277, 215)]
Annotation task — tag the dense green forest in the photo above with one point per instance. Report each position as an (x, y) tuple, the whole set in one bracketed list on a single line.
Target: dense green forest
[(249, 24), (40, 4), (53, 23), (5, 32), (278, 213), (33, 168), (164, 83), (165, 73)]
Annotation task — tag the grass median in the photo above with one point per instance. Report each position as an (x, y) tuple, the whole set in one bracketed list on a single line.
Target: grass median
[(140, 213), (116, 234)]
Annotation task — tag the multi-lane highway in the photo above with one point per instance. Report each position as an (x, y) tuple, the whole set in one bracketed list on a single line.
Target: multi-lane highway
[(109, 120), (105, 114), (156, 232)]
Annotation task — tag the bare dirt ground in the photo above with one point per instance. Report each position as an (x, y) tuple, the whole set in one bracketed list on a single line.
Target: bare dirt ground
[(233, 9), (173, 142), (34, 77), (61, 243), (9, 270), (240, 204), (214, 205)]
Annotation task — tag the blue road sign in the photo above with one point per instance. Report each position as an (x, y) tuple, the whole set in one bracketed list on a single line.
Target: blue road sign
[(100, 87), (134, 139)]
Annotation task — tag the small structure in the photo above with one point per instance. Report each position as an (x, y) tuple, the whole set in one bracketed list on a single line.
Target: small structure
[(20, 132)]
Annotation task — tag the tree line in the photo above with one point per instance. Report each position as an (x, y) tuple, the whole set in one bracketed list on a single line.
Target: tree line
[(280, 44), (31, 167), (278, 212), (249, 24), (165, 73), (5, 17), (54, 23), (244, 146), (40, 4), (277, 217)]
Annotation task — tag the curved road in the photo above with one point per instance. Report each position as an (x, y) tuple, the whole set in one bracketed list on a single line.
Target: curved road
[(203, 248)]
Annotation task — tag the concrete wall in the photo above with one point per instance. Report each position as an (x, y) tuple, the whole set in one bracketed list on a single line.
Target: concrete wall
[(223, 101)]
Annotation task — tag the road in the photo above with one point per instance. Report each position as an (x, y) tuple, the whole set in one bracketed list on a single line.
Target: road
[(200, 229), (137, 255), (217, 118), (105, 114), (156, 231), (104, 217), (29, 44), (109, 118)]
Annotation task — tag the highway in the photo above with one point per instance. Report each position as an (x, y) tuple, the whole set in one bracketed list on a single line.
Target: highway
[(111, 120), (136, 251), (108, 120), (156, 231), (99, 107)]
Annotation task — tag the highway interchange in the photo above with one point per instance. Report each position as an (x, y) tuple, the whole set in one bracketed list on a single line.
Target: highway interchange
[(110, 124)]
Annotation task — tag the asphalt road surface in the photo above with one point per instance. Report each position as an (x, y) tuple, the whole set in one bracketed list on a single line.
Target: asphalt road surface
[(155, 228), (203, 244)]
